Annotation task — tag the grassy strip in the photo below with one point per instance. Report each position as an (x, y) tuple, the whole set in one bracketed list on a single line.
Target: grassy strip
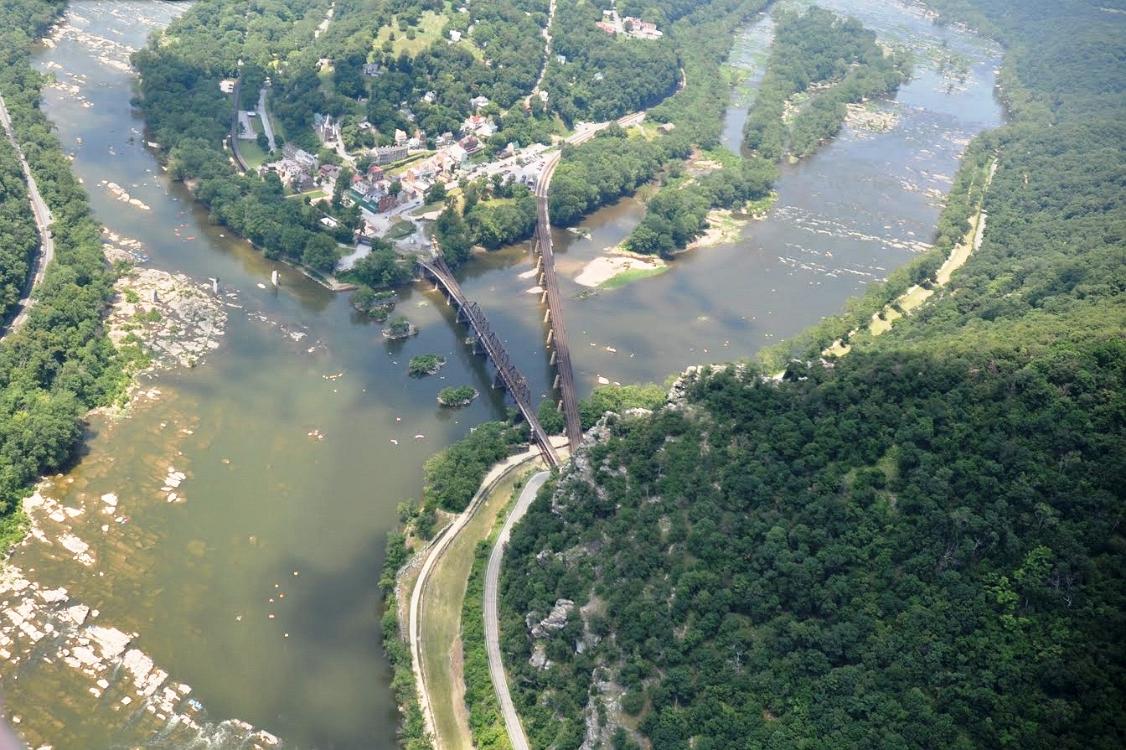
[(442, 617), (485, 719), (633, 274), (961, 204)]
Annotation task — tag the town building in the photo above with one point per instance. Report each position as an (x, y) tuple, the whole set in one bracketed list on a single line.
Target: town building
[(327, 129), (389, 154)]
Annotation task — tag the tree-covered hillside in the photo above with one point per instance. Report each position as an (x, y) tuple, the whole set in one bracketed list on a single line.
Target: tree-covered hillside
[(885, 554), (17, 228), (918, 545)]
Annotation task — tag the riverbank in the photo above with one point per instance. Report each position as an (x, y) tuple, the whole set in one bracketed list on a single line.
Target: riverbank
[(915, 295), (426, 611), (158, 321)]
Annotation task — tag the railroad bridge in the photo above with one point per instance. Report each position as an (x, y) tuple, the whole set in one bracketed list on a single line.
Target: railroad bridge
[(436, 269), (553, 317), (473, 316)]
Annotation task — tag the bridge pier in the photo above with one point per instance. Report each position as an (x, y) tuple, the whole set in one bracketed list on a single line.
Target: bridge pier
[(543, 298), (552, 362), (506, 375), (550, 335), (555, 383), (547, 315)]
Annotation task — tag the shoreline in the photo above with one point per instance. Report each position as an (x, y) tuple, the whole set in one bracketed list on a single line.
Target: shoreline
[(916, 295), (426, 559), (157, 321)]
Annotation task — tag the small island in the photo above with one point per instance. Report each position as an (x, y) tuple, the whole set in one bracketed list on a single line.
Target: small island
[(425, 364), (399, 328), (376, 305), (456, 396)]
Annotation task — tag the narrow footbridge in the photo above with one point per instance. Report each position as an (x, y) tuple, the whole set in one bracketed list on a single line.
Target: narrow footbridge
[(471, 314)]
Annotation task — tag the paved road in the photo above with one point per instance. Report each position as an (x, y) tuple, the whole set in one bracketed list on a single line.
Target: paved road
[(547, 45), (264, 117), (512, 723), (42, 223), (432, 555)]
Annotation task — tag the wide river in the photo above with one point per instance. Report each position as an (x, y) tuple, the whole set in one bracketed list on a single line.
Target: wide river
[(260, 590)]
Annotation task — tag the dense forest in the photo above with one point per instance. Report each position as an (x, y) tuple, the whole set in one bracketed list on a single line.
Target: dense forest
[(917, 545), (599, 172), (598, 77), (835, 61), (17, 228), (59, 364), (874, 555)]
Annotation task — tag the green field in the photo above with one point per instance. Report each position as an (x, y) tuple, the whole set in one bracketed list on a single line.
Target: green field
[(252, 153), (400, 230), (441, 617), (428, 31), (633, 274)]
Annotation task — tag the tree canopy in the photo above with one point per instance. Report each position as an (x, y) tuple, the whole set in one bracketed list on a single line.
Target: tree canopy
[(918, 545)]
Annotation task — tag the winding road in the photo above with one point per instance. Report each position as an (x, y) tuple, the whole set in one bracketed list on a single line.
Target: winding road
[(433, 554), (512, 723), (42, 224), (547, 45)]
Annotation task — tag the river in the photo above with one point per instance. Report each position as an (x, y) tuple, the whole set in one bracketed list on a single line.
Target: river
[(302, 432)]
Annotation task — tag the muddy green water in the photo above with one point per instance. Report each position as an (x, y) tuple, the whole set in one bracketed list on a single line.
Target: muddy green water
[(201, 582)]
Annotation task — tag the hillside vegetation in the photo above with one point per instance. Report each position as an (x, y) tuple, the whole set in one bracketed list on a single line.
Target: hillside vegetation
[(916, 546), (17, 228)]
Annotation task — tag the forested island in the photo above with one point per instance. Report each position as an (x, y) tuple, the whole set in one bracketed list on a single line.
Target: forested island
[(833, 58), (916, 545), (832, 61)]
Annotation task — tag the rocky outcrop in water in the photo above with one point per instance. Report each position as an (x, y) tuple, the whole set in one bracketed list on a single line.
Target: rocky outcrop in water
[(175, 320), (47, 627)]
